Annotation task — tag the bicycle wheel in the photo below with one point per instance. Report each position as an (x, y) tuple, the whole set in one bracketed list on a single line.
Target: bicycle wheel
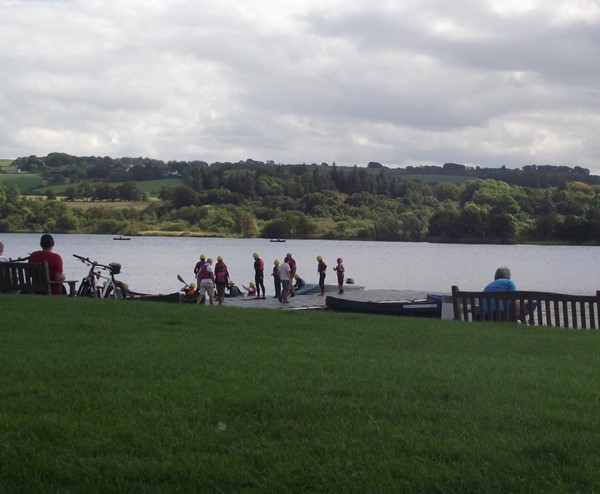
[(85, 289), (116, 293)]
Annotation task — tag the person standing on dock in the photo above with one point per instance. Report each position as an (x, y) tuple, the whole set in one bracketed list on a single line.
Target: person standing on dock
[(286, 279), (292, 265), (206, 282), (322, 270), (259, 275), (198, 266), (221, 278), (339, 269), (276, 278)]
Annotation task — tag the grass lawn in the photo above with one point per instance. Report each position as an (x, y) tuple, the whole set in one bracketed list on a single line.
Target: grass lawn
[(103, 396)]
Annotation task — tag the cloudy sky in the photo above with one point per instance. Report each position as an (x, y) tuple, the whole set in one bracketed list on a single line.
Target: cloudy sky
[(401, 82)]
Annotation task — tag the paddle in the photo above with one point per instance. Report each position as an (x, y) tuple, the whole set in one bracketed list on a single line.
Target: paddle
[(182, 280)]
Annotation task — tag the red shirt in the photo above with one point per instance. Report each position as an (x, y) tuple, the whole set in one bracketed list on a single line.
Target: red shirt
[(55, 265)]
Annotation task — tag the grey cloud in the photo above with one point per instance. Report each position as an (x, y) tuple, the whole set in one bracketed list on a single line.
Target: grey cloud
[(400, 83)]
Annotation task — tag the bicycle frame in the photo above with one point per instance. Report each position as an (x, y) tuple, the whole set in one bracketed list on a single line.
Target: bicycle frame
[(90, 286)]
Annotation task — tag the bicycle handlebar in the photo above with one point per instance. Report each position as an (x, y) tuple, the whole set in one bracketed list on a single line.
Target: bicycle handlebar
[(87, 260)]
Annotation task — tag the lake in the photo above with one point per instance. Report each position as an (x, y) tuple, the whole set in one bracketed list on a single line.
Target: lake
[(151, 264)]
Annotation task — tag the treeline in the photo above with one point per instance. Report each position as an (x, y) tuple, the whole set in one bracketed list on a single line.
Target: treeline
[(62, 168), (330, 202)]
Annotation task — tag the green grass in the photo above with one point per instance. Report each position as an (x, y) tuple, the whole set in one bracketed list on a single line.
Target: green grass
[(152, 187), (101, 396), (25, 181)]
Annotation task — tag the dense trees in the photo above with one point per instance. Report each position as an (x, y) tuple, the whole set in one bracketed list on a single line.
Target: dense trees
[(263, 199)]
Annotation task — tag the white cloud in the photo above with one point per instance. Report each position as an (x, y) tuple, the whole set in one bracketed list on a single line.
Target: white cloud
[(495, 83)]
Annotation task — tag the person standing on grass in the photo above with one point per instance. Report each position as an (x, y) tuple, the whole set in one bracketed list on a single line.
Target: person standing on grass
[(292, 264), (259, 275), (322, 270), (339, 269), (276, 278), (54, 261), (285, 272), (221, 278)]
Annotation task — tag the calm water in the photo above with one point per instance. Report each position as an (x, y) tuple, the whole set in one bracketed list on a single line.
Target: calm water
[(151, 264)]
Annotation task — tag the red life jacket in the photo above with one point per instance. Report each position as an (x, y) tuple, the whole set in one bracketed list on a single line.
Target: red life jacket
[(221, 272), (204, 272)]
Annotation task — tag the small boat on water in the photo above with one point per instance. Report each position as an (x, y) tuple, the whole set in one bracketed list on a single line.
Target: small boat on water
[(429, 307), (277, 240), (120, 237)]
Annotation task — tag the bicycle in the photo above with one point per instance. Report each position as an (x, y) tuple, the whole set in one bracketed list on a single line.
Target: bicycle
[(110, 288)]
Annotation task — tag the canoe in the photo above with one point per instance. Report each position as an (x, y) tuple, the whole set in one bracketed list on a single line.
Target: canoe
[(121, 238), (430, 307), (167, 297), (277, 240)]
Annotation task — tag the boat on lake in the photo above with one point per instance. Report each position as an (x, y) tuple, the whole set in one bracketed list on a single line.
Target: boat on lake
[(429, 307), (277, 240), (120, 237)]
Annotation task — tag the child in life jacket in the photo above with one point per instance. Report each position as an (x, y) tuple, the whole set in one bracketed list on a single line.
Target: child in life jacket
[(251, 289)]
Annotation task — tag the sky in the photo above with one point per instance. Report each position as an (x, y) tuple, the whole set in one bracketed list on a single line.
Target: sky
[(402, 82)]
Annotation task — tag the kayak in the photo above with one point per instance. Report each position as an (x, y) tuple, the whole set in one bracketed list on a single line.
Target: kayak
[(175, 297), (430, 307)]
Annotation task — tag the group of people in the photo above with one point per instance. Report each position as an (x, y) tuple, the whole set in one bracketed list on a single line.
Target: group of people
[(286, 280)]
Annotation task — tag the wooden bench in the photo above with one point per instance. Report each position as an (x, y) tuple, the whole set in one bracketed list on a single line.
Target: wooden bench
[(24, 277), (535, 308)]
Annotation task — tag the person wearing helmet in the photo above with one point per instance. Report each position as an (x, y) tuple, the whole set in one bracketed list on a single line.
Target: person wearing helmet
[(259, 275), (221, 278), (251, 289), (232, 289), (276, 278), (321, 269), (199, 265), (298, 282), (54, 261)]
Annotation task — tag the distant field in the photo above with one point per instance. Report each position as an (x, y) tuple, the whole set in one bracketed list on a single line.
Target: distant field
[(433, 178), (151, 187), (25, 181), (5, 163), (108, 205)]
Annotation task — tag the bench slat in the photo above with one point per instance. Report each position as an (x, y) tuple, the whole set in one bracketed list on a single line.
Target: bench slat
[(545, 308)]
